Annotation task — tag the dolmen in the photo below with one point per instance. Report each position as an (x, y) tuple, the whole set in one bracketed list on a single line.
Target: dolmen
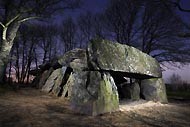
[(96, 79)]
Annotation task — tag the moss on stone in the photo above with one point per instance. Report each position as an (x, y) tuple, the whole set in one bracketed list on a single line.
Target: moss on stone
[(108, 100)]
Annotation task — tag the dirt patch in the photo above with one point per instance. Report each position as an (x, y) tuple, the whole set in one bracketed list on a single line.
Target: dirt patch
[(32, 108)]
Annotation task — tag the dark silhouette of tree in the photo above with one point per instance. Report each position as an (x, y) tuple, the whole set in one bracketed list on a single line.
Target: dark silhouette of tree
[(34, 45), (89, 26), (15, 12), (159, 34), (149, 26), (85, 25), (175, 81), (47, 35), (177, 4), (68, 34), (120, 17)]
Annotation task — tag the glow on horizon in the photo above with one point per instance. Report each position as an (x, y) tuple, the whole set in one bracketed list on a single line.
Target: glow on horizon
[(184, 72)]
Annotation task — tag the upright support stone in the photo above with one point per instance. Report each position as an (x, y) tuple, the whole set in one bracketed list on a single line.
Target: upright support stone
[(154, 90), (54, 81), (131, 91), (108, 99), (44, 77), (67, 88), (58, 82), (94, 93)]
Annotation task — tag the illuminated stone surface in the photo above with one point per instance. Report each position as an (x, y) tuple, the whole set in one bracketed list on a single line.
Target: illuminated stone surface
[(95, 79)]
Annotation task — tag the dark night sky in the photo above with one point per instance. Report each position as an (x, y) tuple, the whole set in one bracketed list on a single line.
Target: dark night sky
[(93, 6), (96, 6)]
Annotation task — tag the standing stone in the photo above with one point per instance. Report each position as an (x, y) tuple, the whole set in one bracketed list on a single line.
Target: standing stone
[(36, 80), (58, 82), (67, 88), (135, 91), (54, 81), (45, 75), (131, 91), (108, 99), (93, 94), (154, 90)]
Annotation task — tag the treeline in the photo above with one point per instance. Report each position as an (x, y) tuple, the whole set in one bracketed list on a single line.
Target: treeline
[(151, 26), (176, 83)]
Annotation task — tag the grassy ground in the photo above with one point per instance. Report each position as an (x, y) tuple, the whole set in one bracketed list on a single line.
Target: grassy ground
[(178, 94), (32, 108), (5, 88)]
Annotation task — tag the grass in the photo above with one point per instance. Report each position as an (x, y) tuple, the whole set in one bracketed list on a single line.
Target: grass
[(5, 88), (178, 94)]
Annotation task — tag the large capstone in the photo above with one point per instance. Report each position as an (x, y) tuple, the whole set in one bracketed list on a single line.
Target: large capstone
[(105, 55)]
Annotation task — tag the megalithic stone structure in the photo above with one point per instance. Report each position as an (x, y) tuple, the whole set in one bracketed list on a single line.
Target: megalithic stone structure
[(96, 78)]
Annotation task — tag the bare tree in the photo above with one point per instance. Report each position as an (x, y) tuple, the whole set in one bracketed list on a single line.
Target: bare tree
[(175, 81), (159, 34), (15, 12), (86, 27), (17, 61), (89, 26), (149, 26), (47, 35), (120, 17), (24, 57), (177, 6), (30, 42), (68, 34), (99, 29)]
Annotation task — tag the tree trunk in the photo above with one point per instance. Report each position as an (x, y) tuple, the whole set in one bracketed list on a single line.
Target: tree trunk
[(2, 70), (17, 65), (8, 37), (10, 66), (35, 58), (4, 59)]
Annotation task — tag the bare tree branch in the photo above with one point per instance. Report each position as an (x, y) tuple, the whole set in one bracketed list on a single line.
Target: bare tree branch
[(2, 25), (29, 18), (12, 20), (4, 34), (177, 4), (185, 35)]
